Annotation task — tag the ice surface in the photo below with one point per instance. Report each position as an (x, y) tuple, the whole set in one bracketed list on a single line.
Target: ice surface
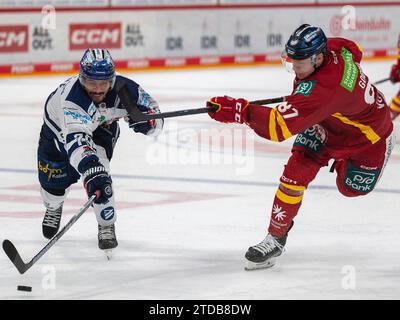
[(188, 209)]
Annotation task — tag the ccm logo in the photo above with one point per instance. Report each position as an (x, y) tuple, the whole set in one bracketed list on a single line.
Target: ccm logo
[(14, 38), (238, 113), (83, 36)]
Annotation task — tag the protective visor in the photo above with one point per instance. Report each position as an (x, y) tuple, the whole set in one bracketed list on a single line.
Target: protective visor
[(93, 83), (301, 64), (287, 62)]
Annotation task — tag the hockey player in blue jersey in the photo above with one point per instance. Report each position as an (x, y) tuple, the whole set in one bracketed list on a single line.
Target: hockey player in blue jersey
[(78, 136)]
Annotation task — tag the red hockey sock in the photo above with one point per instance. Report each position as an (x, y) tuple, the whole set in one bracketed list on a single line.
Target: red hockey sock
[(284, 209)]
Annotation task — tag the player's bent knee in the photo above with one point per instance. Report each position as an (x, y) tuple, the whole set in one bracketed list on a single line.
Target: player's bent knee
[(291, 189), (53, 191), (354, 181), (299, 171), (347, 192)]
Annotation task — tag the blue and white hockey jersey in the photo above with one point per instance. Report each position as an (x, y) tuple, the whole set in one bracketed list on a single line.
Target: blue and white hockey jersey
[(71, 117)]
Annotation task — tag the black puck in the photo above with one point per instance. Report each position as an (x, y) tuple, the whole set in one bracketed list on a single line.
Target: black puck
[(24, 288)]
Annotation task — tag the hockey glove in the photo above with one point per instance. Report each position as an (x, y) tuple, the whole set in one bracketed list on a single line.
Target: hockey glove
[(228, 109), (149, 128), (143, 127), (97, 181), (395, 73)]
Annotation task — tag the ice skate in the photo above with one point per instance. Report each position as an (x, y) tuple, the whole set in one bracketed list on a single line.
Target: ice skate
[(107, 239), (263, 255), (51, 221)]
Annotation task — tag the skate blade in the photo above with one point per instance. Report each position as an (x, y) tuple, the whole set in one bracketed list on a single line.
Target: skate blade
[(108, 253), (260, 265)]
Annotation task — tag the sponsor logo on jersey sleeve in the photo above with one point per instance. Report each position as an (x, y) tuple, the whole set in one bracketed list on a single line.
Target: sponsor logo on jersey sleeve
[(83, 118), (350, 72)]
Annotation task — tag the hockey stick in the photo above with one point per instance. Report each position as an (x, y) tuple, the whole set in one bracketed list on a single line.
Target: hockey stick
[(15, 257), (381, 81), (268, 101), (136, 115)]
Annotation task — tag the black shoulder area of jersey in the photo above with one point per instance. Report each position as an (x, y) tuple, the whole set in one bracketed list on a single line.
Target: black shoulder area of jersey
[(132, 86), (79, 96)]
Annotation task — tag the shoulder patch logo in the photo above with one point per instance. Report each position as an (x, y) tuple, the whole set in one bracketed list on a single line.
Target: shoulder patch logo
[(305, 87), (350, 72)]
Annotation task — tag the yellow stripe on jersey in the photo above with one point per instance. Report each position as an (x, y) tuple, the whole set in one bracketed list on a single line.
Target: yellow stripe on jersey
[(367, 130), (275, 119), (293, 187), (272, 126), (358, 46), (285, 130), (288, 199), (395, 107), (396, 100)]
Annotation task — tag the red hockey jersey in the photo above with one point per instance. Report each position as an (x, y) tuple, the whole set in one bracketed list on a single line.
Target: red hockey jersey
[(339, 97)]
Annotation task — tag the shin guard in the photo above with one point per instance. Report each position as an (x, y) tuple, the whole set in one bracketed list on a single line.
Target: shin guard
[(284, 209)]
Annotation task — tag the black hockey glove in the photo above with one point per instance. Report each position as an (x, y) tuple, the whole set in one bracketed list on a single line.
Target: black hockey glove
[(97, 181), (143, 127)]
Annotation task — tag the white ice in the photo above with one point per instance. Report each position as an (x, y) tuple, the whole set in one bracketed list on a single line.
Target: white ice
[(189, 209)]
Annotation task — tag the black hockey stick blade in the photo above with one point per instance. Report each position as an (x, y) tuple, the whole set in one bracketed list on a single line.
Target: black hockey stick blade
[(14, 256)]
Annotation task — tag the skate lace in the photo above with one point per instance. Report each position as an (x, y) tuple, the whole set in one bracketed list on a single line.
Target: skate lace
[(268, 244), (52, 217), (107, 232)]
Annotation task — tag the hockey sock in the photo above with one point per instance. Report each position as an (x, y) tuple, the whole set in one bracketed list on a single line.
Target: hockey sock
[(287, 203), (52, 201)]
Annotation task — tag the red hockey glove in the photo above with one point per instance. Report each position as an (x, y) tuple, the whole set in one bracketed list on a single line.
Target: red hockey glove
[(395, 73), (228, 109)]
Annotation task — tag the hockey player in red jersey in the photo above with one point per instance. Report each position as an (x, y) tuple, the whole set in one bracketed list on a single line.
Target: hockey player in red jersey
[(394, 78), (335, 112)]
